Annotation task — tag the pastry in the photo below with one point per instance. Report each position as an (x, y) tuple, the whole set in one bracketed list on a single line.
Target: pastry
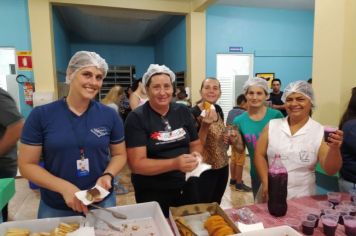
[(92, 194), (206, 106), (217, 226)]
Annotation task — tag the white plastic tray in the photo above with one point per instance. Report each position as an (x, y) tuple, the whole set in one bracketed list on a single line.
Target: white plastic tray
[(275, 231), (39, 225), (148, 216)]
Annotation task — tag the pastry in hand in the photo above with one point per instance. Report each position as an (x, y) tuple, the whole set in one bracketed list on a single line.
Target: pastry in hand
[(92, 194), (206, 106)]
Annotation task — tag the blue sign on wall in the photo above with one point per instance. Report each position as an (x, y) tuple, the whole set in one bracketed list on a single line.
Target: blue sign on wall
[(236, 49)]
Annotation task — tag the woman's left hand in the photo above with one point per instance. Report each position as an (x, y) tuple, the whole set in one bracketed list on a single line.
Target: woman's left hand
[(335, 139), (105, 182)]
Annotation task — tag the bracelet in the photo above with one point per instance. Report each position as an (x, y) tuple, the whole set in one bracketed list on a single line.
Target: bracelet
[(109, 174)]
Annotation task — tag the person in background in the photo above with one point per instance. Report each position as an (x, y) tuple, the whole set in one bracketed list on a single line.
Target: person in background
[(114, 97), (276, 95), (11, 123), (237, 161), (251, 122), (310, 81), (162, 144), (347, 180), (114, 100), (182, 98), (138, 97), (211, 129), (299, 140), (73, 134)]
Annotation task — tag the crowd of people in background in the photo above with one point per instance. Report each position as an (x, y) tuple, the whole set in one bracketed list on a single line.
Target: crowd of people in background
[(155, 129)]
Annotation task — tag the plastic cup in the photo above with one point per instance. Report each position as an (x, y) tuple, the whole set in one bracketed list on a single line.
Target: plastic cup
[(334, 198), (343, 211), (329, 224), (324, 205), (308, 223), (331, 212), (293, 223), (350, 225), (352, 194), (328, 129)]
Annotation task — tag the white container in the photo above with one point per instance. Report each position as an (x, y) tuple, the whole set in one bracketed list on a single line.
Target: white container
[(147, 216), (39, 225), (274, 231)]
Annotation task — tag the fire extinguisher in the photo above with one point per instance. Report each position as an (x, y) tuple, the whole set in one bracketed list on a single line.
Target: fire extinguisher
[(28, 89)]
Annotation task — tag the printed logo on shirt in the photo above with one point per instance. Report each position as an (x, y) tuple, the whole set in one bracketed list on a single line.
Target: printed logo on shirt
[(166, 136), (99, 132), (304, 157)]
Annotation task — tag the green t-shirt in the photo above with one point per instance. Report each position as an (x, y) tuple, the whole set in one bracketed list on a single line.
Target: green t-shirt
[(251, 129)]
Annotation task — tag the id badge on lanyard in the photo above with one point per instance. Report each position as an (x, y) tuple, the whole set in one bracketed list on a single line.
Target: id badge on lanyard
[(82, 165)]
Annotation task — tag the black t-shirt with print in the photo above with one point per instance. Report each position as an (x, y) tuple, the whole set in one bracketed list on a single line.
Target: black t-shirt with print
[(164, 137)]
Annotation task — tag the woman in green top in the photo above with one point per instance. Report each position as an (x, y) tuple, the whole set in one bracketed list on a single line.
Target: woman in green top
[(252, 122)]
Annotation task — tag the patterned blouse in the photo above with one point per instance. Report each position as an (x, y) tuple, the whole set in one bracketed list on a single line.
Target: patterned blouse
[(215, 150)]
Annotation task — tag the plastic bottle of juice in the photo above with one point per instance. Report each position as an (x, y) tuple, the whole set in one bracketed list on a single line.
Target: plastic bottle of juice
[(277, 187)]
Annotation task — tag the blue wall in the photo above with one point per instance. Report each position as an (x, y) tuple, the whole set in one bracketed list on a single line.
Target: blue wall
[(15, 32), (281, 40), (61, 45), (170, 46), (140, 56)]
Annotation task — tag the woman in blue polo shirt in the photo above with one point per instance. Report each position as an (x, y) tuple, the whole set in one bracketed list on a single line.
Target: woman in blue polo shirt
[(75, 136)]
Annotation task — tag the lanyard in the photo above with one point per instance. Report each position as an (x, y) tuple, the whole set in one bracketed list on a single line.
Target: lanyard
[(79, 137)]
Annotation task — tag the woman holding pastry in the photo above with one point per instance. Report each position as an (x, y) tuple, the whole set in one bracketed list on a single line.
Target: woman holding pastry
[(162, 144), (211, 129), (74, 141)]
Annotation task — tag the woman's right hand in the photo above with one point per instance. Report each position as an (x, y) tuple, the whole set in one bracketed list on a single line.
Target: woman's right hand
[(187, 162), (71, 200), (210, 116)]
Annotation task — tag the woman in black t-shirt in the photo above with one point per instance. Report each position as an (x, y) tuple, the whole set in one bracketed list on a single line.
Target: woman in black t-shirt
[(162, 144)]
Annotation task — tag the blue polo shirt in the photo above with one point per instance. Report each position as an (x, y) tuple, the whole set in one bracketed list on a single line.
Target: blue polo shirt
[(61, 133)]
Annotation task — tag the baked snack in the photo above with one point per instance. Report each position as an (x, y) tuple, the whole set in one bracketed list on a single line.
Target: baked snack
[(206, 106), (92, 194), (183, 229), (217, 226)]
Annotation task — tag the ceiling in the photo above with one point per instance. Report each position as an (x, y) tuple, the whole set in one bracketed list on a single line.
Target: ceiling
[(122, 26)]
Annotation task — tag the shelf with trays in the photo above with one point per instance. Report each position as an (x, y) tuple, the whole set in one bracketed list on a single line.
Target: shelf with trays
[(117, 75), (180, 79)]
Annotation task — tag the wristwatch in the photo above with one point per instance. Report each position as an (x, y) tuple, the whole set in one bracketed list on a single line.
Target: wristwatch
[(109, 174)]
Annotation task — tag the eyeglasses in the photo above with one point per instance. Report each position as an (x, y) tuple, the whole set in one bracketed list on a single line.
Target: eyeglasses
[(167, 126)]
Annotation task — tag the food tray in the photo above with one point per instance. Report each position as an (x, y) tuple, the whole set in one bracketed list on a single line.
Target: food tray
[(146, 219), (39, 225), (274, 231), (198, 209)]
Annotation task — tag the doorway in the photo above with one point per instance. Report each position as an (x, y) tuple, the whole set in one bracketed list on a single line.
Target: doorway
[(7, 65), (232, 70)]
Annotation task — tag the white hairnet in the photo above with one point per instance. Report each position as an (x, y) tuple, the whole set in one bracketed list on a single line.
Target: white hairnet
[(300, 86), (83, 59), (259, 82), (157, 69)]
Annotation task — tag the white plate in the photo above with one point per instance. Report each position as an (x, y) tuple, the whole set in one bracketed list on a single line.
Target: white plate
[(275, 231)]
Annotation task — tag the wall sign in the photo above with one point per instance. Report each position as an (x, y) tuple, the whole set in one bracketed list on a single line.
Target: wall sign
[(24, 60), (236, 49)]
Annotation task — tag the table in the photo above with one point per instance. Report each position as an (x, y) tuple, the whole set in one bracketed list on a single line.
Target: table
[(296, 208)]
